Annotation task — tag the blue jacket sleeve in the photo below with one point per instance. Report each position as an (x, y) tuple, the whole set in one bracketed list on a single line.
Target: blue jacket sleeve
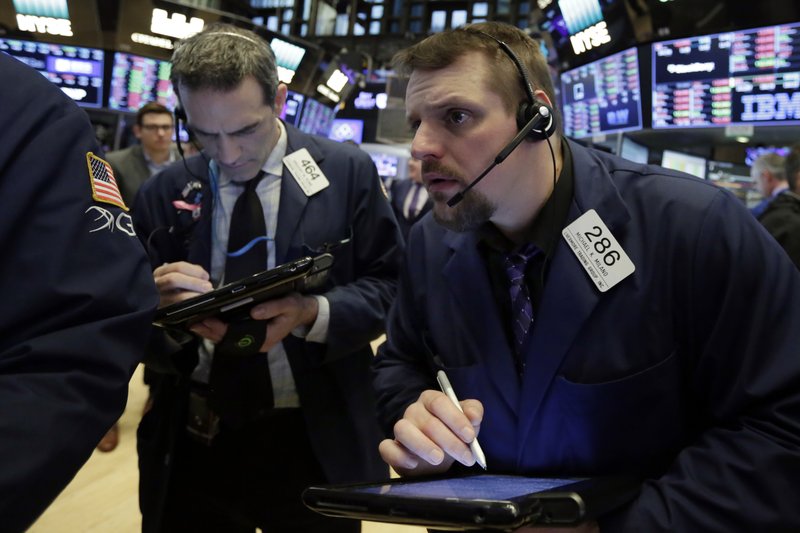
[(78, 297)]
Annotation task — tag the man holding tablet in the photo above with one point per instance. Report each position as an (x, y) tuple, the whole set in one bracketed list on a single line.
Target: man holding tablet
[(250, 410), (595, 317)]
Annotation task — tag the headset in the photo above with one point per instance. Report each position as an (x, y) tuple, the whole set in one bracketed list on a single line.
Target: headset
[(533, 116), (535, 121)]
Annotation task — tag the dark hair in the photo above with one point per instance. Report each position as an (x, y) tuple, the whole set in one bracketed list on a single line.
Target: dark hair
[(443, 49), (149, 108), (220, 57), (793, 167)]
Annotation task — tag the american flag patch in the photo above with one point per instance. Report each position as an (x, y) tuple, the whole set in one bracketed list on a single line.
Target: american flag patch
[(104, 186)]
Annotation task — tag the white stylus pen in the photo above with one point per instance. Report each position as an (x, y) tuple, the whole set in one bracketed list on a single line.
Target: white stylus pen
[(474, 447)]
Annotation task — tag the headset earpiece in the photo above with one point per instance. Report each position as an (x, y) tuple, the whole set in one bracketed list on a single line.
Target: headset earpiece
[(528, 112), (533, 110)]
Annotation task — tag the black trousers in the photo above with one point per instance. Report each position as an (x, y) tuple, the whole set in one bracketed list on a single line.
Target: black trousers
[(248, 478)]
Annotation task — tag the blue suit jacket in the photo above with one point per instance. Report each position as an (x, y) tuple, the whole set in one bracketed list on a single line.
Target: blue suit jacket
[(332, 379), (686, 373)]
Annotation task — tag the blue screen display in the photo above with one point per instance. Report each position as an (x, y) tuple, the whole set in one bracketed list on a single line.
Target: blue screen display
[(485, 487), (76, 70), (603, 96)]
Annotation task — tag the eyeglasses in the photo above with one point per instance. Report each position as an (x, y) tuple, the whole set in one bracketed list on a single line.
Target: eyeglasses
[(157, 127)]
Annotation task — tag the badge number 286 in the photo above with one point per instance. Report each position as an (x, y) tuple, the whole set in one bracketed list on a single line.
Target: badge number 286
[(598, 251)]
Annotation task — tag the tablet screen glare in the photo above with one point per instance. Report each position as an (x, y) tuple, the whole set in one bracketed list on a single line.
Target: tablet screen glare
[(485, 487)]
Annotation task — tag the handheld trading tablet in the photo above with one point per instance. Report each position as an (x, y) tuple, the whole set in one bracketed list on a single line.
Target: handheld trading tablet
[(234, 300), (484, 501)]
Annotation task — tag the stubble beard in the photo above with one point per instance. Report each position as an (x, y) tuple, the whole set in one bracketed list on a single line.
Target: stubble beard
[(473, 211)]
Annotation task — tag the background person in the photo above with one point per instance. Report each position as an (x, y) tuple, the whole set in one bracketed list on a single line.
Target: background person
[(410, 199), (232, 440), (154, 128), (682, 371), (78, 295), (781, 215)]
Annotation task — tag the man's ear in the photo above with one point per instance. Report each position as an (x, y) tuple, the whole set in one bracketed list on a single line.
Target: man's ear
[(137, 131), (280, 99)]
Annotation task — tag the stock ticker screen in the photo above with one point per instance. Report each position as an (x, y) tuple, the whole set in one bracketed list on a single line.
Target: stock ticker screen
[(740, 77), (136, 80), (603, 96), (76, 70)]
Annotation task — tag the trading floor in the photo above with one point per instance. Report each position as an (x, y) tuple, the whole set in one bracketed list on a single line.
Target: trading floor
[(103, 496)]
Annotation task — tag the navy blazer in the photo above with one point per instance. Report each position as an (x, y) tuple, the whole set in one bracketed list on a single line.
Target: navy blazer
[(332, 379), (686, 373)]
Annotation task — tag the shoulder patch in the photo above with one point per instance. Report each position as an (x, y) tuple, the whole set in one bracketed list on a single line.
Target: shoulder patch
[(104, 185)]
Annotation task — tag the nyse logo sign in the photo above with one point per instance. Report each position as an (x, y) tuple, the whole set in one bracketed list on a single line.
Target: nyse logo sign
[(53, 26), (591, 37), (766, 107)]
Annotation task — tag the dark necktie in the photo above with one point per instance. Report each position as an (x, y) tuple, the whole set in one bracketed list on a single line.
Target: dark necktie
[(521, 308), (241, 388)]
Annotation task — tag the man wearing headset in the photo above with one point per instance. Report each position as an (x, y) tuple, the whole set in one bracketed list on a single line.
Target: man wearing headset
[(645, 339), (206, 466)]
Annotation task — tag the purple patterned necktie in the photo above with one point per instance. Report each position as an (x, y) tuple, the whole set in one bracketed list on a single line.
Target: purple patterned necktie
[(521, 308)]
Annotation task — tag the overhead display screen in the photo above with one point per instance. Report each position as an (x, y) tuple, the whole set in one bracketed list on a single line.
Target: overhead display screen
[(76, 70), (740, 77), (136, 80), (603, 96)]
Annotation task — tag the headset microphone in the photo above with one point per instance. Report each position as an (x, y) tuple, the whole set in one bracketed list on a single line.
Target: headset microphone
[(542, 120)]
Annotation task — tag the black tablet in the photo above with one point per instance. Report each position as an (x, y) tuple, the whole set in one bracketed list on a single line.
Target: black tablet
[(484, 501), (235, 299)]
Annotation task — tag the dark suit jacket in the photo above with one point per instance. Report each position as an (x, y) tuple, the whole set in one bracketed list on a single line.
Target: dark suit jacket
[(130, 170), (77, 296), (333, 380), (399, 189), (685, 373)]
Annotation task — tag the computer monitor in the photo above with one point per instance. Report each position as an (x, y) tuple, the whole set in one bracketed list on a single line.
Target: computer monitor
[(691, 164), (316, 118), (751, 153), (287, 58), (603, 96), (76, 70), (633, 151), (735, 178), (293, 108), (347, 129), (137, 80), (739, 77), (387, 165)]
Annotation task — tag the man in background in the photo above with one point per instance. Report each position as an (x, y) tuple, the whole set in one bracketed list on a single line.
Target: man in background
[(133, 165), (780, 214), (769, 174), (77, 294), (410, 199)]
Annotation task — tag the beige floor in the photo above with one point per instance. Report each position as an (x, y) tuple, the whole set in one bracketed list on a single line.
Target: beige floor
[(102, 497)]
